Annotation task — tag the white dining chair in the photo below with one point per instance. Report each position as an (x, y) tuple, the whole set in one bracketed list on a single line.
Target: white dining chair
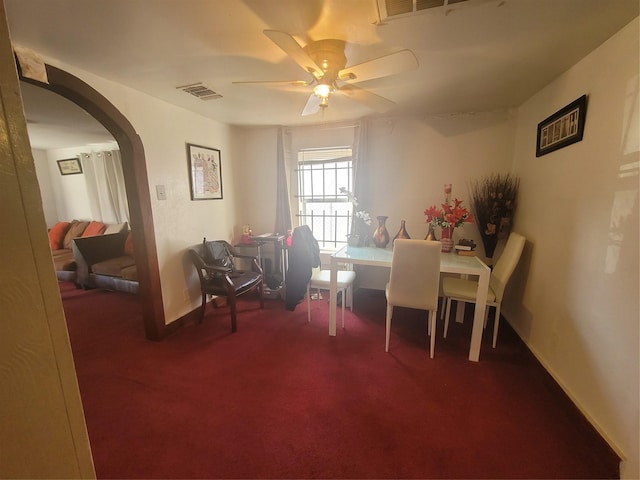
[(320, 280), (414, 282), (464, 290)]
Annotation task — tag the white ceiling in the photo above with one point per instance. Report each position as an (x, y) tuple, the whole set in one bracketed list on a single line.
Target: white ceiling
[(55, 122), (480, 56)]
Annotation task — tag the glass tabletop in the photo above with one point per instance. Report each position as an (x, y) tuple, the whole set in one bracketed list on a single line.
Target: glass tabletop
[(365, 255), (449, 262)]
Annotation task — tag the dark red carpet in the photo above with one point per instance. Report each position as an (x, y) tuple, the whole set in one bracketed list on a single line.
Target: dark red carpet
[(282, 399)]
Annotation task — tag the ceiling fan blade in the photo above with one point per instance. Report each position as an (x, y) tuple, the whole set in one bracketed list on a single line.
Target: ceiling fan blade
[(312, 106), (296, 83), (371, 100), (391, 64), (292, 48)]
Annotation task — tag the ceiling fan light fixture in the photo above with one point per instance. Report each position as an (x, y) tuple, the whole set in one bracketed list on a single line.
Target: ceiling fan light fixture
[(322, 90), (324, 102)]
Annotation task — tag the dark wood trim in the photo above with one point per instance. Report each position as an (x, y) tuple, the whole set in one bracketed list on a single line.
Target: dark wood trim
[(136, 181)]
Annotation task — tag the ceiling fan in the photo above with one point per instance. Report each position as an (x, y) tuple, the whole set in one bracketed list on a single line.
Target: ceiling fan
[(325, 60)]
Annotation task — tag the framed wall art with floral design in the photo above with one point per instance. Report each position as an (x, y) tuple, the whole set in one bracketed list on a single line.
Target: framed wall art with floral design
[(205, 172)]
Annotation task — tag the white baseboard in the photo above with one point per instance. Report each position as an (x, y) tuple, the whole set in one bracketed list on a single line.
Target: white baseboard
[(575, 401)]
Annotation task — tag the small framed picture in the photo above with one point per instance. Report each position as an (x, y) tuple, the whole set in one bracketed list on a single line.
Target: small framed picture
[(70, 166), (205, 172), (563, 128)]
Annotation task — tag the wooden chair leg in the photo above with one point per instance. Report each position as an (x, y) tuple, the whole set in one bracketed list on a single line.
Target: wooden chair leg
[(203, 306), (231, 299), (261, 294)]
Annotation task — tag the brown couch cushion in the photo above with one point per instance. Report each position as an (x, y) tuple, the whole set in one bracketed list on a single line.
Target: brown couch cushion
[(57, 233), (130, 273), (113, 267), (75, 230), (93, 229), (64, 260)]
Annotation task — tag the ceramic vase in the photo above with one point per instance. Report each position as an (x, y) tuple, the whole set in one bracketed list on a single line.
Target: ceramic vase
[(431, 234), (402, 233), (447, 239), (381, 234)]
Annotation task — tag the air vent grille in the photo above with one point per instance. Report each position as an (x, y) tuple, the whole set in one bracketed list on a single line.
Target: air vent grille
[(392, 8), (200, 91)]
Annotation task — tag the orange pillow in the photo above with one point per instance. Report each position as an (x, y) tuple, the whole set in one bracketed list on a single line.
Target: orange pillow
[(128, 245), (94, 228), (56, 235)]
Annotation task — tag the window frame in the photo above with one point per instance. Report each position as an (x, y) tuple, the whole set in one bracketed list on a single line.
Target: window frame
[(331, 226)]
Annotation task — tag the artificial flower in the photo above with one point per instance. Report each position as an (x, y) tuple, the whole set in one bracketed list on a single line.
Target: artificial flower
[(448, 216)]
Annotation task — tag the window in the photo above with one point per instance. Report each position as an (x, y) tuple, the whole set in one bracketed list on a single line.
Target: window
[(321, 206)]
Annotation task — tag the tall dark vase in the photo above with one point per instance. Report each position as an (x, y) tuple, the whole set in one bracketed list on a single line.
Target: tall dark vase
[(402, 233), (381, 234), (489, 242)]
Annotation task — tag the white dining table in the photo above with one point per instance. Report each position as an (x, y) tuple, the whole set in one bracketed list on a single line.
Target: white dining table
[(449, 263)]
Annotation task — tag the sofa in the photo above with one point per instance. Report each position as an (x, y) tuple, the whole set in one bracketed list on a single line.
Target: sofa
[(106, 261), (61, 241)]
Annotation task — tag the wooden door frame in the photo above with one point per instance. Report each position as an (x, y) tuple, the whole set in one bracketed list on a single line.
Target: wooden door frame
[(137, 185)]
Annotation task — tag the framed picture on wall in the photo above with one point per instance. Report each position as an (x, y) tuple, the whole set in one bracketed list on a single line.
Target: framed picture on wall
[(70, 166), (563, 128), (205, 172)]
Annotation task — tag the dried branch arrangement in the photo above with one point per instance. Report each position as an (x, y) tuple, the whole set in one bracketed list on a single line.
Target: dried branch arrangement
[(494, 201)]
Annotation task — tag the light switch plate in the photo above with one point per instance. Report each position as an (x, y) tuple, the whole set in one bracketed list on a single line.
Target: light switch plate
[(161, 193)]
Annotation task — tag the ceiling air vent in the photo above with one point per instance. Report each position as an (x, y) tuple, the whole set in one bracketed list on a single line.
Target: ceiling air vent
[(392, 8), (198, 90)]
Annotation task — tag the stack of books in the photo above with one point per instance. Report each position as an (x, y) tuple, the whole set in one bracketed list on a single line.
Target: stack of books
[(466, 250)]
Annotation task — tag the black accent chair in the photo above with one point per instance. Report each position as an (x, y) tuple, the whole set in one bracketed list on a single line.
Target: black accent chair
[(215, 264)]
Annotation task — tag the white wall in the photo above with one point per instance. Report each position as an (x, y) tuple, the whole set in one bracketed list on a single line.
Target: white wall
[(411, 159), (45, 183), (255, 179), (180, 222), (574, 297)]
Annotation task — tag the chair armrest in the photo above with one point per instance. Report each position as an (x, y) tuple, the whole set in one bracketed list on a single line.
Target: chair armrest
[(100, 247), (224, 275), (255, 265), (245, 256), (215, 269), (88, 251)]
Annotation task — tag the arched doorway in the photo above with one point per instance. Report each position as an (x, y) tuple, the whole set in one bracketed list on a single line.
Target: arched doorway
[(137, 185)]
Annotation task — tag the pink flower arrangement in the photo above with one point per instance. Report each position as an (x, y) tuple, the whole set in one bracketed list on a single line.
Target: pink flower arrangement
[(448, 216)]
